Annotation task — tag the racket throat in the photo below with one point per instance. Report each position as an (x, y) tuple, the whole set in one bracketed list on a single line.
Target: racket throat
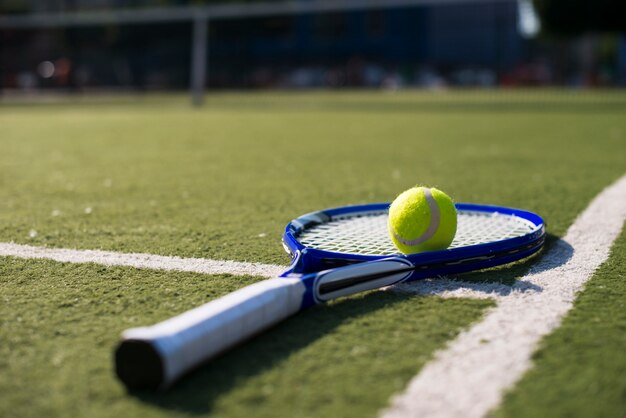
[(360, 277), (347, 283)]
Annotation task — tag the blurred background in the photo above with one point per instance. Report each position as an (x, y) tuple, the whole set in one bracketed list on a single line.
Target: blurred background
[(69, 46)]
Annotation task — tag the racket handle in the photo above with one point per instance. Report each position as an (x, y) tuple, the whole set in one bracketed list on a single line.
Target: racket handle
[(154, 357)]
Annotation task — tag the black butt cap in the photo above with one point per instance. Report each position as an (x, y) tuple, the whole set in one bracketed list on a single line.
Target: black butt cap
[(138, 365)]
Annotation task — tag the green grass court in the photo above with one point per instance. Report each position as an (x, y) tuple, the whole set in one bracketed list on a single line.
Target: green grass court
[(153, 175)]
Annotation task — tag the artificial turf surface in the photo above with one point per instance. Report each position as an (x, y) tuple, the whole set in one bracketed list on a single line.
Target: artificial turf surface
[(220, 182), (60, 322)]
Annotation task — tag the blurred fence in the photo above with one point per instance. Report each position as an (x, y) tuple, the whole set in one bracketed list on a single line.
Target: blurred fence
[(302, 44)]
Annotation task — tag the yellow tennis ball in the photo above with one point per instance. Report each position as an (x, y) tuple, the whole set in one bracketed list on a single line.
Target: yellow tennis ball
[(422, 219)]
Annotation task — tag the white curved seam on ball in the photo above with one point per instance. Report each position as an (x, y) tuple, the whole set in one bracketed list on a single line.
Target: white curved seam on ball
[(432, 226)]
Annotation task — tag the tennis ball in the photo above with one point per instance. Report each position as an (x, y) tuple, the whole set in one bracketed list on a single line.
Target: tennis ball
[(422, 219)]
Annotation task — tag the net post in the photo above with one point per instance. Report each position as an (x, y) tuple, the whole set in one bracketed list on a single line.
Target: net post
[(199, 48)]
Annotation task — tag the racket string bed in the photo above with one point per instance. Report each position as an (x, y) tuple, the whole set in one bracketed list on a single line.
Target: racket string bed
[(366, 233)]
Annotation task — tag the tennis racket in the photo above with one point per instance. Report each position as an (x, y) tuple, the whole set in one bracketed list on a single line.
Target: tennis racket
[(335, 252)]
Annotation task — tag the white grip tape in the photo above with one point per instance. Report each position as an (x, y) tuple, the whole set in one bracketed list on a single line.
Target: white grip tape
[(197, 335)]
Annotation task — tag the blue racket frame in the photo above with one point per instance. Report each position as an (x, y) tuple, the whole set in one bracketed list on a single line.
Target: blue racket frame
[(421, 265)]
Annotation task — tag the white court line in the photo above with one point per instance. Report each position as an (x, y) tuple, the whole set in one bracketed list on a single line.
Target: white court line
[(444, 287), (143, 261), (468, 378), (451, 288)]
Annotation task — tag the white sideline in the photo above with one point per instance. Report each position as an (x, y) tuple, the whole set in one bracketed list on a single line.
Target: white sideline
[(444, 287), (143, 261), (468, 378)]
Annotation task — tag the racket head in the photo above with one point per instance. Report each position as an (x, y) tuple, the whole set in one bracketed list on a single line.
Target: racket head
[(486, 236)]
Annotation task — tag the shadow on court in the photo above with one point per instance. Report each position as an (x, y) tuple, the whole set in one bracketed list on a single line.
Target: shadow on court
[(197, 392), (555, 252)]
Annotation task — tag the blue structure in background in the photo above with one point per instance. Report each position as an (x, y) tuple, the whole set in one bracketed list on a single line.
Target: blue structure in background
[(445, 37), (483, 43), (468, 44)]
